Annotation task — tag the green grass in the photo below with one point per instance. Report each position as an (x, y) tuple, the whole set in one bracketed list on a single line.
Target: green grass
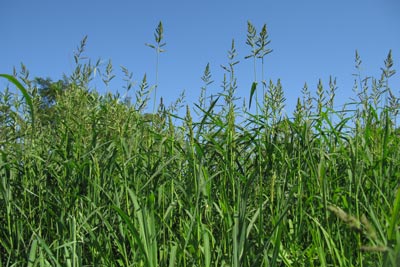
[(90, 180)]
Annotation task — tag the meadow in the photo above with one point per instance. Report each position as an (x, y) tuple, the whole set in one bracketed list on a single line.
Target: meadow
[(90, 179)]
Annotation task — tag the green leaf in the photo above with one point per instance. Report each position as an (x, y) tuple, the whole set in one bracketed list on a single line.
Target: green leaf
[(133, 231), (172, 255), (252, 91), (395, 217), (32, 253), (150, 45)]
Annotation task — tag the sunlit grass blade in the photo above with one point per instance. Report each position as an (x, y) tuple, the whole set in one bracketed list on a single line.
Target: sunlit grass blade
[(32, 253)]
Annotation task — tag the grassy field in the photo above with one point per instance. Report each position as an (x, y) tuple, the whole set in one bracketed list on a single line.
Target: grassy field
[(91, 180)]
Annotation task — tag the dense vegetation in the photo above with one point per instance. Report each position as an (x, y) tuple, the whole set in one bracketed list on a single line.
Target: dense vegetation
[(91, 180)]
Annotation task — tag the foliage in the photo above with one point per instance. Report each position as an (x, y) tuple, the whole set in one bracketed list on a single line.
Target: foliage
[(101, 183)]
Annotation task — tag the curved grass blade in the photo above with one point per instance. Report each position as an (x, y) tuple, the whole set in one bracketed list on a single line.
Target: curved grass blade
[(27, 97)]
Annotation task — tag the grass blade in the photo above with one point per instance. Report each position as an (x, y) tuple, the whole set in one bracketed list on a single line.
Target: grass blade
[(24, 92)]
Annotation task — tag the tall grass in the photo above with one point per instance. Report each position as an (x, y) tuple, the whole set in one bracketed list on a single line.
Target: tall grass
[(96, 182)]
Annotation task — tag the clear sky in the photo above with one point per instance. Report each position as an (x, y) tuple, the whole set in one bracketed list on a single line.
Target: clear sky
[(310, 40)]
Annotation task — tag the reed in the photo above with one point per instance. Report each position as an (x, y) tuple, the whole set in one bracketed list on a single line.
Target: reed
[(97, 182)]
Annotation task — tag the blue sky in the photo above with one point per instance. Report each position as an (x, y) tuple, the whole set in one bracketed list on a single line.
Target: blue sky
[(310, 40)]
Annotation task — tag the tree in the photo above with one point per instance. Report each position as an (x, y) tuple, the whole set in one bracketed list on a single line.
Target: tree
[(47, 92)]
